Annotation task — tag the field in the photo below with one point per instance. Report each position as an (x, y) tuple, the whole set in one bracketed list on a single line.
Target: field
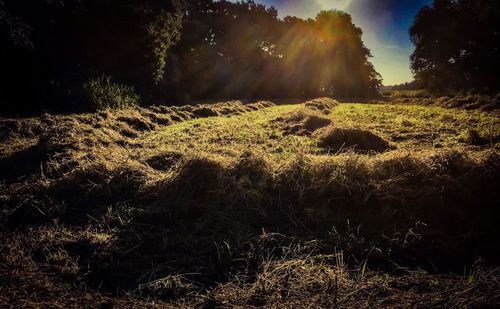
[(317, 204)]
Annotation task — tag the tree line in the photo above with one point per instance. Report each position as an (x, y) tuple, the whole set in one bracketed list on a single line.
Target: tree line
[(457, 45), (413, 85), (71, 55)]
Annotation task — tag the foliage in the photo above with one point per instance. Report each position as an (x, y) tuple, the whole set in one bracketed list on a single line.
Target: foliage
[(267, 57), (164, 32), (176, 51), (15, 31), (413, 85), (457, 45), (68, 42), (103, 93)]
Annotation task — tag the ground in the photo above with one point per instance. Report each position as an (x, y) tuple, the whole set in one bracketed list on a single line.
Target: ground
[(318, 204)]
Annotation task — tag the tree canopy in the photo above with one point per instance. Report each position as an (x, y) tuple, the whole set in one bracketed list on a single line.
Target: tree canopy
[(50, 48), (173, 51), (457, 45)]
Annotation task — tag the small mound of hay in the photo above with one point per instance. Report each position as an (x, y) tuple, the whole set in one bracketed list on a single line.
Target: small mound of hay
[(204, 111), (469, 102), (473, 137), (200, 175), (302, 121), (337, 139), (163, 162), (261, 104), (315, 122), (137, 122), (323, 105)]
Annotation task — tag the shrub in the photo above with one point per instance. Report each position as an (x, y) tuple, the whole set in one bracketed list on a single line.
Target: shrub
[(103, 93)]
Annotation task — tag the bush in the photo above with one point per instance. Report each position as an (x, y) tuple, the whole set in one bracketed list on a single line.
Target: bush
[(103, 93)]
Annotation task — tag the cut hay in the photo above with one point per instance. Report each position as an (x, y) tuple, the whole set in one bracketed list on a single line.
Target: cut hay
[(339, 139), (306, 283), (110, 214), (131, 121), (163, 161), (302, 122), (323, 105), (468, 102), (308, 119), (195, 224)]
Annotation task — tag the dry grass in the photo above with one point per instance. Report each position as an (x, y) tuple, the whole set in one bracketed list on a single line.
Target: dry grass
[(416, 127), (323, 105), (308, 119), (463, 101), (227, 209), (305, 282), (340, 139)]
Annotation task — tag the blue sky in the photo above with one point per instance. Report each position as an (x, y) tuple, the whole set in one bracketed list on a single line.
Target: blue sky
[(385, 25)]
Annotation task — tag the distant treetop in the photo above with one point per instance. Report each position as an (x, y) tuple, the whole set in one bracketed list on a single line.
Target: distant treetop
[(457, 45)]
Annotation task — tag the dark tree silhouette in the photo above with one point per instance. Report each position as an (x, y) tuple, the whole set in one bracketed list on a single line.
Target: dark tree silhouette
[(238, 50), (53, 47), (457, 45), (413, 85), (175, 51)]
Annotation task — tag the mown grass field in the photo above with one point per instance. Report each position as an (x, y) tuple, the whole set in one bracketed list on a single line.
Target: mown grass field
[(408, 127), (318, 204)]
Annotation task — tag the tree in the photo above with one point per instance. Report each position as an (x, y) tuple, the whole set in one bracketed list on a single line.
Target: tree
[(57, 45), (242, 50), (457, 45), (174, 51)]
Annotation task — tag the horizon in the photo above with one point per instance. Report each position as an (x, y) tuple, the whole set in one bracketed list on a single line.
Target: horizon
[(385, 26)]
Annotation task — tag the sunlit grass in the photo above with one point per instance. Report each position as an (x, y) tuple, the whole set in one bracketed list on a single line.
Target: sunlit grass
[(407, 127), (231, 136), (410, 94), (192, 192), (413, 126)]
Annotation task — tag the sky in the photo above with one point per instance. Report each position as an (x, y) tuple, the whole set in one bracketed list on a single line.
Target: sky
[(385, 25)]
